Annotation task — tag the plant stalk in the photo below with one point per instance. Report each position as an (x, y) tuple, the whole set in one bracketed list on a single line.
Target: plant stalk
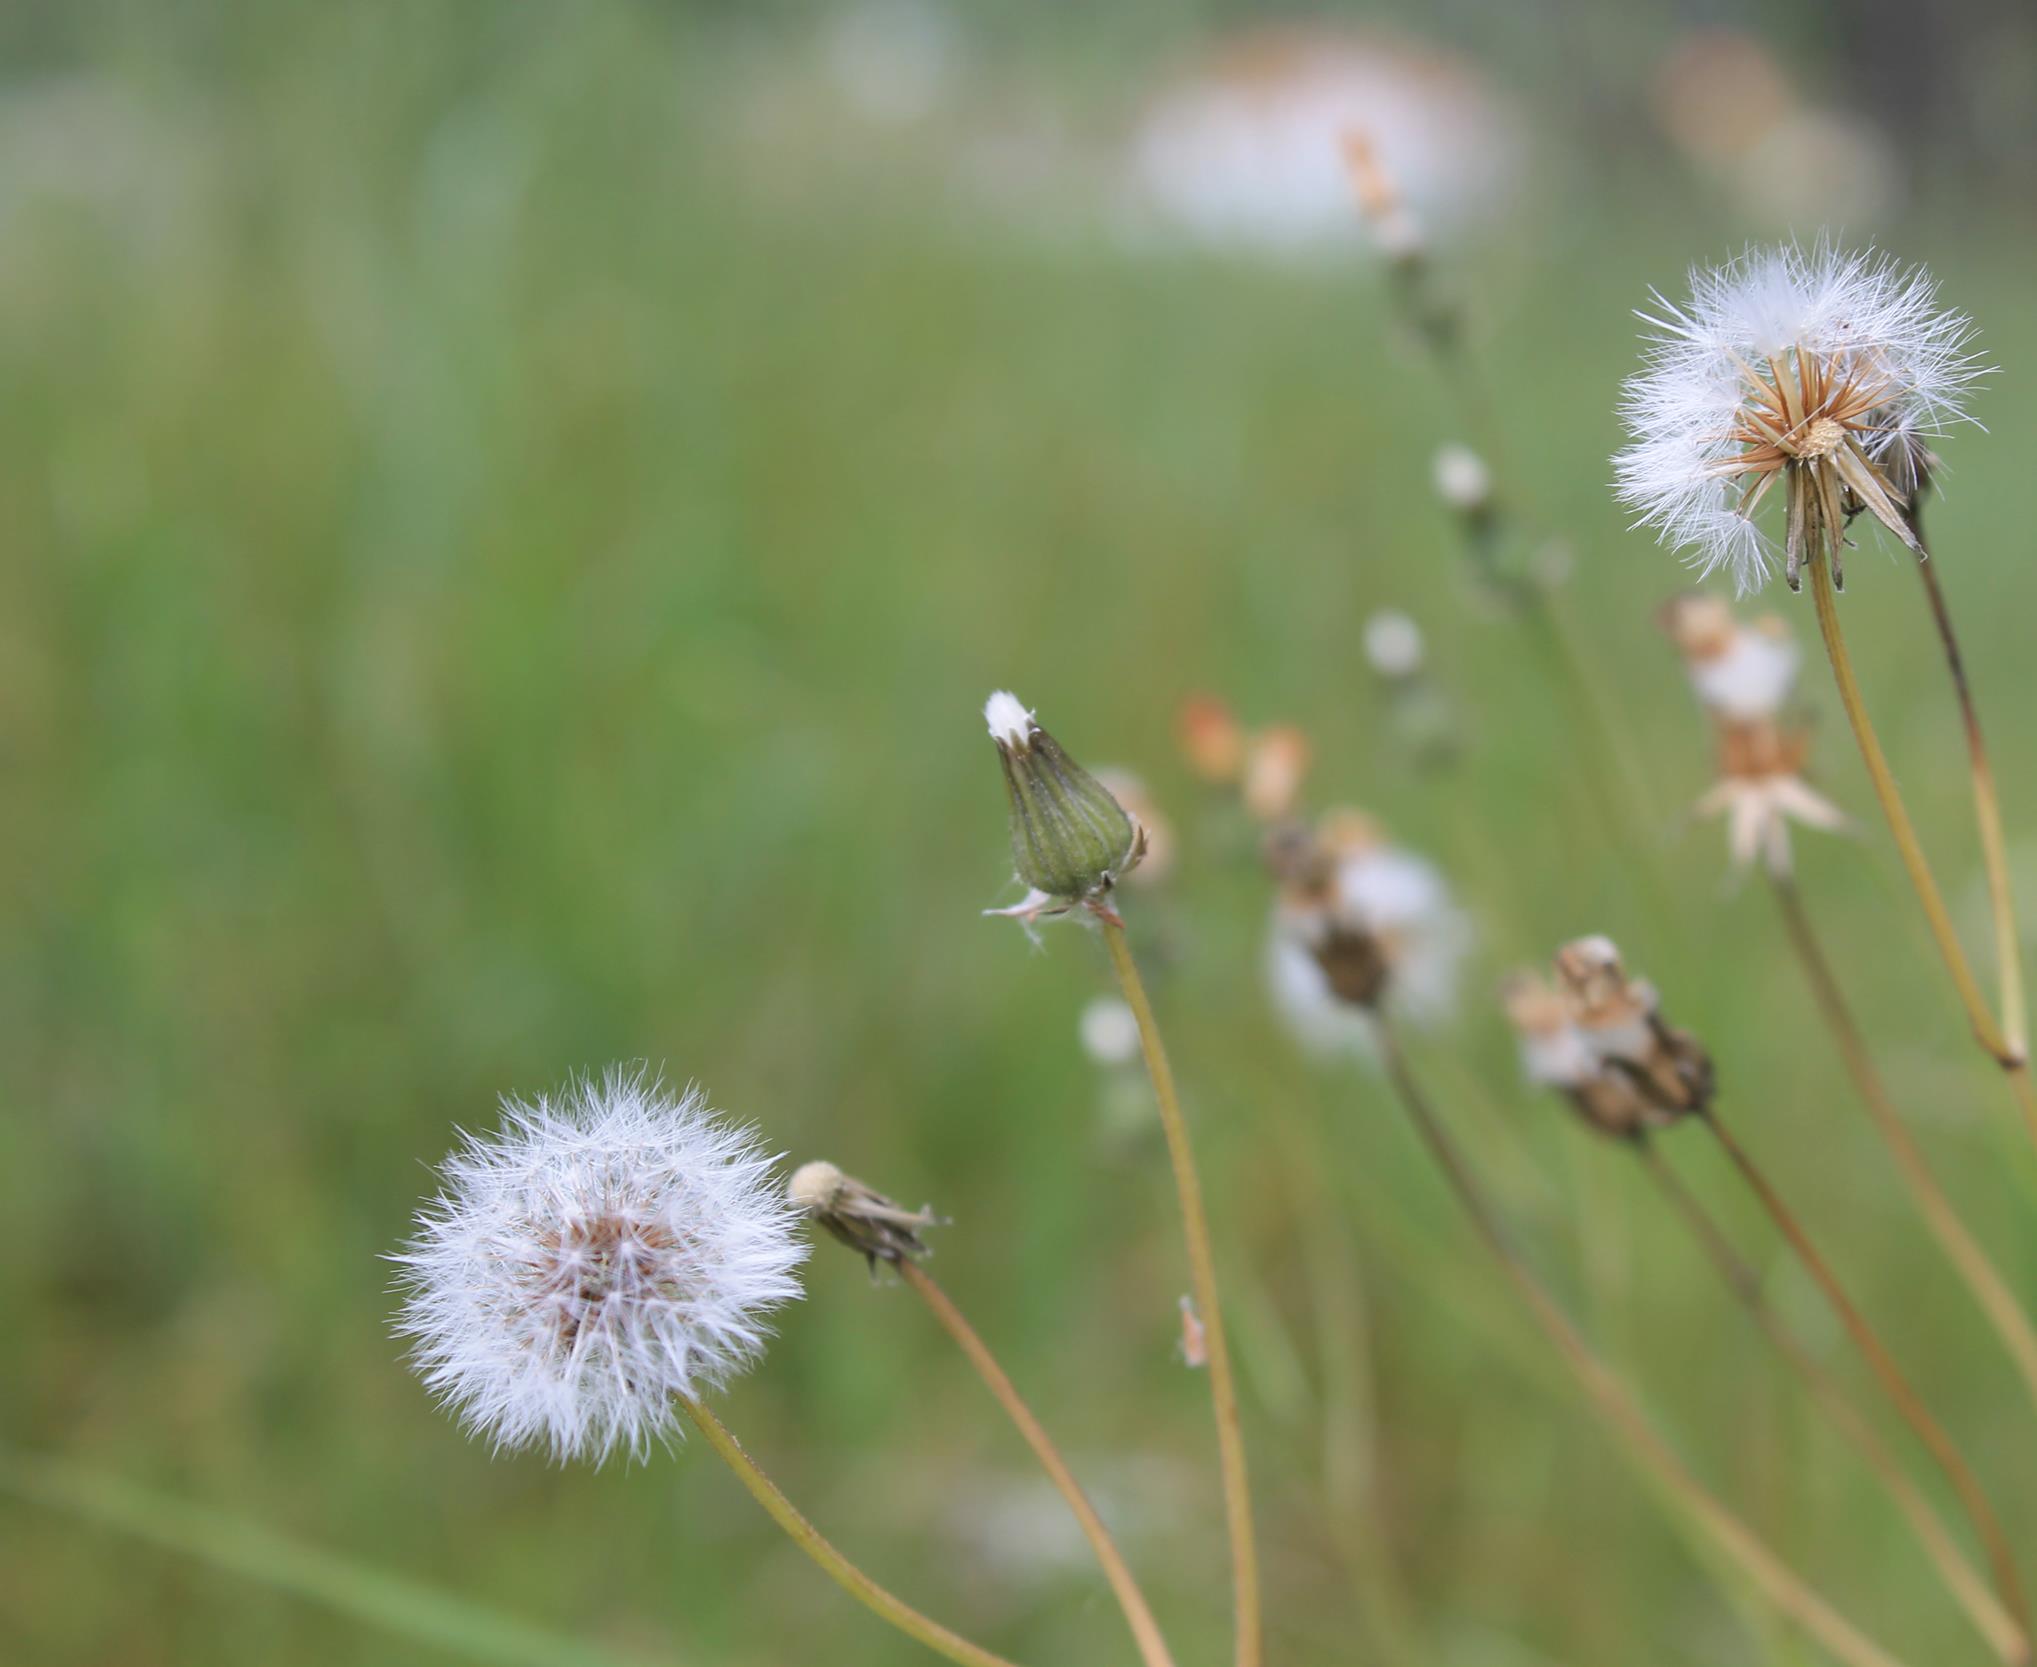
[(1778, 1582), (1145, 1630), (1203, 1282), (1984, 1281), (1987, 809), (1900, 1391), (1966, 1585), (838, 1568)]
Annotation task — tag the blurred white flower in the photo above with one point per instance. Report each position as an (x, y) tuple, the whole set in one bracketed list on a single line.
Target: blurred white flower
[(1110, 1034), (1393, 644), (1461, 479), (1360, 922), (1245, 152), (597, 1256), (1790, 368), (1743, 670)]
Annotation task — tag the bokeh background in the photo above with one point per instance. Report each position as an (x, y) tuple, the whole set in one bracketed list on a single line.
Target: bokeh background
[(509, 513)]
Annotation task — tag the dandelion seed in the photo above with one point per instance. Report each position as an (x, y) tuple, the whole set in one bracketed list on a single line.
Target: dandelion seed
[(599, 1255), (1807, 371)]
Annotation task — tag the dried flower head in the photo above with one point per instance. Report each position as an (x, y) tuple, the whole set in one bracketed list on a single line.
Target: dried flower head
[(1555, 1054), (1805, 370), (1620, 1019), (866, 1221), (1744, 674), (1071, 842), (597, 1256)]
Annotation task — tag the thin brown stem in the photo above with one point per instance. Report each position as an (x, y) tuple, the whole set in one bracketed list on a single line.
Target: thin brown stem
[(1987, 809), (1202, 1271), (1966, 1585), (1778, 1582), (1900, 1391), (838, 1568), (1145, 1630), (1908, 846), (1984, 1282)]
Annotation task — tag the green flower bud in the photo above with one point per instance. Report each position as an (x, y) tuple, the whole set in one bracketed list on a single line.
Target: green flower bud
[(1070, 840)]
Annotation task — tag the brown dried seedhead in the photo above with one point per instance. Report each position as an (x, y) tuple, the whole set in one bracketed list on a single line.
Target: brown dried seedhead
[(864, 1220)]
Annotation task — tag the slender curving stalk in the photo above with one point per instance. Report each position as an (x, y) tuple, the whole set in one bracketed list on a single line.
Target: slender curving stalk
[(1987, 808), (1202, 1271), (1984, 1282), (2015, 1065), (1783, 1587), (1145, 1630), (838, 1568), (1900, 1391), (1966, 1585)]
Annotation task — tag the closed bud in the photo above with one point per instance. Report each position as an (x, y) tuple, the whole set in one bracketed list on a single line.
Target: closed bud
[(1070, 840)]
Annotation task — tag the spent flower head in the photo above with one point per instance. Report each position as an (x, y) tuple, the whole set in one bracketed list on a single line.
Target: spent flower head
[(863, 1219), (1810, 376), (1744, 673), (601, 1253)]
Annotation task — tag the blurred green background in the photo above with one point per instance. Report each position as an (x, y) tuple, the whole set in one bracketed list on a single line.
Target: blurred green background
[(509, 515)]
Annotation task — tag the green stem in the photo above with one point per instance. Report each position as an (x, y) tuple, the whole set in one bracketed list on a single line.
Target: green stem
[(1781, 1584), (1202, 1272), (838, 1568)]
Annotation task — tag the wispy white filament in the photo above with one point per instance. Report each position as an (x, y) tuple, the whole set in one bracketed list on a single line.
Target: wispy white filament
[(600, 1254), (1860, 316)]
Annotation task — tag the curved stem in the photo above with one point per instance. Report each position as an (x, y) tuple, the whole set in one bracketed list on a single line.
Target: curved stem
[(1223, 1392), (1987, 809), (1145, 1630), (1898, 1388), (838, 1568), (1984, 1281), (1967, 1587), (1907, 844), (1781, 1584)]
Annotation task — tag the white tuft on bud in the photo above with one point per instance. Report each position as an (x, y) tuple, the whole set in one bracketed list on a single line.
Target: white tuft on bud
[(1008, 719), (597, 1256)]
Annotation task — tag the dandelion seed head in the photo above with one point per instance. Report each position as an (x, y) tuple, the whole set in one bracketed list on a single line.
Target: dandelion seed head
[(601, 1253), (1781, 361)]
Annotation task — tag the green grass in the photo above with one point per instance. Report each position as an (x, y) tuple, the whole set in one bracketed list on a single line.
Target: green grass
[(500, 576)]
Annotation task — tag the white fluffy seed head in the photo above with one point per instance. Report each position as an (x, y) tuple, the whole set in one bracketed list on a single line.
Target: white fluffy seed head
[(1109, 1032), (598, 1255), (1862, 319), (1009, 721)]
